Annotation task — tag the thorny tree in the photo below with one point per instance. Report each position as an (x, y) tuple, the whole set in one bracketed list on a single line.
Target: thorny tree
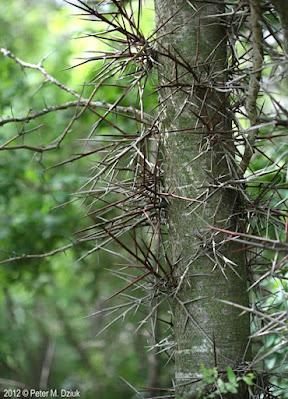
[(196, 195)]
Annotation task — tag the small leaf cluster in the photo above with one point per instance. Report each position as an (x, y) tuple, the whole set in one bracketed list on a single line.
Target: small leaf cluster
[(219, 384)]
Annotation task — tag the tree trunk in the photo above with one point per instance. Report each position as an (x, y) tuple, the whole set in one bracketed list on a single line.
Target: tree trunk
[(199, 170), (282, 9)]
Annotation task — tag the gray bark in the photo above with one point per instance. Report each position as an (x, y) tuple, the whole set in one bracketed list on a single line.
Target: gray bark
[(198, 156)]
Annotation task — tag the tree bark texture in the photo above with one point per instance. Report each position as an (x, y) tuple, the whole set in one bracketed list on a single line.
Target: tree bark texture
[(282, 9), (199, 171)]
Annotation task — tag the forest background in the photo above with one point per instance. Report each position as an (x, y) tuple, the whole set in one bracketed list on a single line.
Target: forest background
[(46, 338)]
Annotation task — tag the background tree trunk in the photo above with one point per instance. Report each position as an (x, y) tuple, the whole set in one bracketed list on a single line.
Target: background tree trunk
[(199, 164), (282, 9)]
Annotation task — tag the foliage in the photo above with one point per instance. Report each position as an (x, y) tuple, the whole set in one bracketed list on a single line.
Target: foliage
[(219, 385), (45, 339)]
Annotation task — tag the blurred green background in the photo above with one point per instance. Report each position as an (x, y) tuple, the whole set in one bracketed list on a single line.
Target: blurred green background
[(45, 339)]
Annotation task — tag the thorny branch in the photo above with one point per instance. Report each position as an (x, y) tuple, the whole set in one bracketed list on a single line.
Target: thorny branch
[(39, 67), (84, 103)]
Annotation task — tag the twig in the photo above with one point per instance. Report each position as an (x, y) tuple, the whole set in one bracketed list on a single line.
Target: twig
[(39, 67), (127, 111)]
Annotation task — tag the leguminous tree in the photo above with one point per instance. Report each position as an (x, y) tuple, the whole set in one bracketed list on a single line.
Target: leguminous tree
[(190, 183)]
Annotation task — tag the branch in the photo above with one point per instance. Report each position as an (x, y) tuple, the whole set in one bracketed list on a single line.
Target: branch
[(38, 256), (93, 105), (39, 67), (83, 102)]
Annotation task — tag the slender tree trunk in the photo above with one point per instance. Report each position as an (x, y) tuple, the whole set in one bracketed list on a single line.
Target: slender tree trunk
[(199, 170), (282, 9)]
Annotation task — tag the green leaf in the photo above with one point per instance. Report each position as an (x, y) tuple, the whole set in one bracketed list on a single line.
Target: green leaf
[(222, 386), (232, 388), (231, 376), (209, 375), (248, 378)]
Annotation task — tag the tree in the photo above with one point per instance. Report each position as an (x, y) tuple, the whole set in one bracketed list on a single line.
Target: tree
[(193, 189), (199, 159)]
